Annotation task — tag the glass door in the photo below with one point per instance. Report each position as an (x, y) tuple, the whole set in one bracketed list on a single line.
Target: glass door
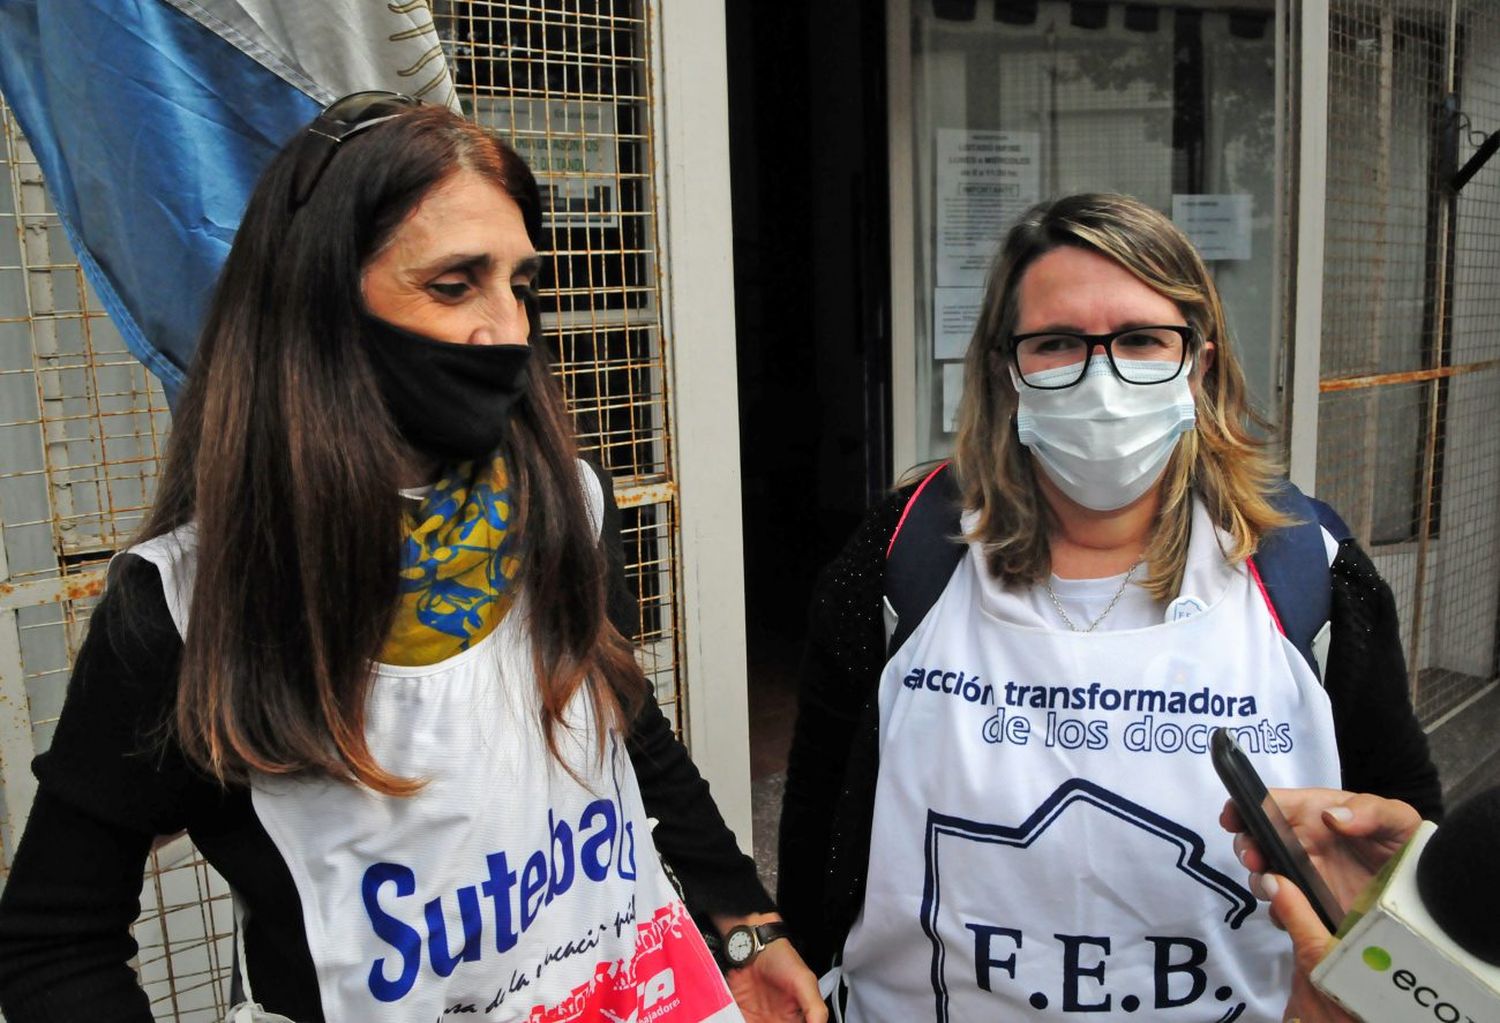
[(1004, 103)]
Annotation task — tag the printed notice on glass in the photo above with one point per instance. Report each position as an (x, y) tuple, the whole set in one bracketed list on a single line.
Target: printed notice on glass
[(953, 389), (955, 311), (985, 181), (1218, 225), (570, 146)]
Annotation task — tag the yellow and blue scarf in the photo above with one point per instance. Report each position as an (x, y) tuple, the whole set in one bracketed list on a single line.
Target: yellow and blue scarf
[(457, 566)]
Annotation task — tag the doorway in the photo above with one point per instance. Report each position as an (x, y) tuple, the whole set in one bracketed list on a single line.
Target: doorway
[(808, 158)]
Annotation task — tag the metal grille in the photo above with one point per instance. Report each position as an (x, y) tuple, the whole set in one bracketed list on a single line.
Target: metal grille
[(568, 83), (1411, 343), (81, 428), (83, 425)]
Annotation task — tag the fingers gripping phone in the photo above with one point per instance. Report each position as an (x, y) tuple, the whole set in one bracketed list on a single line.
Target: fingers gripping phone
[(1270, 828)]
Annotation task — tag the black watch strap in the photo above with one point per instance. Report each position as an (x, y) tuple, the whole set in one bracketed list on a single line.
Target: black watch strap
[(769, 932)]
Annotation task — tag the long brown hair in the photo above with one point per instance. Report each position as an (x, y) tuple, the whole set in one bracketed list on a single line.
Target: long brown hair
[(285, 461), (1222, 458)]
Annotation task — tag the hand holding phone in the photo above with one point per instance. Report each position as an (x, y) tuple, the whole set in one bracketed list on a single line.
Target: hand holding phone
[(1269, 827)]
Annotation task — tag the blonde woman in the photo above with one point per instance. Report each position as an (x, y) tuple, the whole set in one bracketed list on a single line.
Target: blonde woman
[(999, 802)]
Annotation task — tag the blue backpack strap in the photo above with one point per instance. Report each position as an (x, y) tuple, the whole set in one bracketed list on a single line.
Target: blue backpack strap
[(922, 554), (1291, 566)]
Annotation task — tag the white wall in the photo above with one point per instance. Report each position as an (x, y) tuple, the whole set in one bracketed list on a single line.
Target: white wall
[(693, 162)]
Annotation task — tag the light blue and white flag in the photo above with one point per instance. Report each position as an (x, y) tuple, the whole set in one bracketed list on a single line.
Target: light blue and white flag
[(152, 119)]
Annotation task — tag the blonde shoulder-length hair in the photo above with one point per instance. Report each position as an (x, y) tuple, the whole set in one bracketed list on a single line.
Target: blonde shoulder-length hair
[(1222, 459)]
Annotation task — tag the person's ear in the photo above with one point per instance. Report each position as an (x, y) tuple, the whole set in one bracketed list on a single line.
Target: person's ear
[(1201, 363)]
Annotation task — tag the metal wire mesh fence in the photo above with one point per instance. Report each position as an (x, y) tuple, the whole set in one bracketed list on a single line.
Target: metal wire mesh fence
[(567, 82), (1411, 345), (83, 425)]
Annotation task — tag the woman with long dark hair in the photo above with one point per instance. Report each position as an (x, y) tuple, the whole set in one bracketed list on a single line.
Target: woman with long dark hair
[(370, 651)]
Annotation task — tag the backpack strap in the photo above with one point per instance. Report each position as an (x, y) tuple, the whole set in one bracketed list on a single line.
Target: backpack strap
[(1291, 568), (922, 553)]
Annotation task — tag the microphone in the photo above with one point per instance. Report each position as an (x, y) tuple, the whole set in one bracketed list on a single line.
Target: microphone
[(1422, 941), (1456, 876)]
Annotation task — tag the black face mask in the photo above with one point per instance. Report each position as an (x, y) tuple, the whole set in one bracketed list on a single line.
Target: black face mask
[(450, 401)]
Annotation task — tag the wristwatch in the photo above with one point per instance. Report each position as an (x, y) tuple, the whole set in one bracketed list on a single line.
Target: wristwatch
[(743, 943)]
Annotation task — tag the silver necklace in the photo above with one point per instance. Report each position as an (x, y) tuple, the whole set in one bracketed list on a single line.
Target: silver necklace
[(1102, 614)]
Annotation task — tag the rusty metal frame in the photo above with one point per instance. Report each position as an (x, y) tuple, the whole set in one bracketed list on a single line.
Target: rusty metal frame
[(1414, 376)]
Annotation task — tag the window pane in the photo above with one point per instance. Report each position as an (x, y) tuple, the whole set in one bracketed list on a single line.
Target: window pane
[(1010, 108)]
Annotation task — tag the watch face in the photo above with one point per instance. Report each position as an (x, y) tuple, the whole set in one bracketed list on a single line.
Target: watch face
[(739, 946)]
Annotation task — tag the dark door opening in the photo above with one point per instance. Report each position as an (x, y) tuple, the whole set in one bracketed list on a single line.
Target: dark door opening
[(807, 154)]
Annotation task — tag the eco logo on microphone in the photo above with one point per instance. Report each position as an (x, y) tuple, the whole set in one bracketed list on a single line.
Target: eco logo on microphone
[(1379, 960)]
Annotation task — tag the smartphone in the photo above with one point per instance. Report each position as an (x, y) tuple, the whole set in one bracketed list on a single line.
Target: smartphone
[(1269, 827)]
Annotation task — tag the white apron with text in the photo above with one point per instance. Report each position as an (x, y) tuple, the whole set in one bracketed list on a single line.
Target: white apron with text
[(1046, 840), (512, 886)]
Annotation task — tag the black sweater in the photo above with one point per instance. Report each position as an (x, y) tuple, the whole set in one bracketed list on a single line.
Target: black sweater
[(111, 783), (830, 788)]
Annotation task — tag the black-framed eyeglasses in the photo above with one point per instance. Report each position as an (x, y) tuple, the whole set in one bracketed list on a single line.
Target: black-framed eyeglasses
[(340, 120), (1050, 360)]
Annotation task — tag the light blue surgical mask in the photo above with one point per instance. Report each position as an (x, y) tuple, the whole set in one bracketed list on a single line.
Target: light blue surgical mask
[(1105, 442)]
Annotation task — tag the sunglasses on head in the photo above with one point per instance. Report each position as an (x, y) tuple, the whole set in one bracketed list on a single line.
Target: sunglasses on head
[(340, 120)]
